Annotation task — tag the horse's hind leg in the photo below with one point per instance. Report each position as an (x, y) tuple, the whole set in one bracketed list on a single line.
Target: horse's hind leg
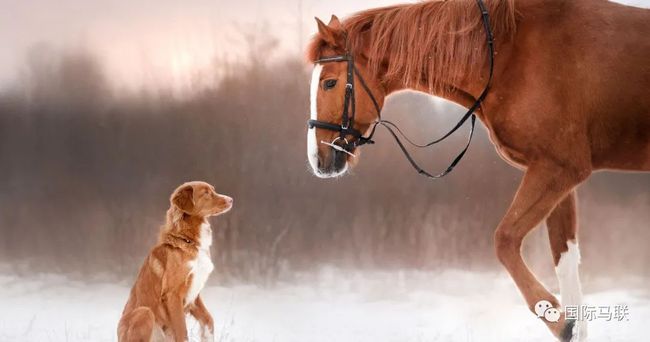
[(563, 234), (137, 326), (544, 185)]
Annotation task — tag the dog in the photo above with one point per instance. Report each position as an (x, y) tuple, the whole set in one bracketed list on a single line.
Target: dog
[(175, 271)]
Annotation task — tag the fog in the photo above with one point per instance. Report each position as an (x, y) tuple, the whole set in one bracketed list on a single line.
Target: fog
[(107, 106), (153, 42), (87, 174), (166, 42)]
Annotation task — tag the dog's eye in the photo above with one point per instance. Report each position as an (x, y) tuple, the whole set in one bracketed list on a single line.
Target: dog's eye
[(329, 84)]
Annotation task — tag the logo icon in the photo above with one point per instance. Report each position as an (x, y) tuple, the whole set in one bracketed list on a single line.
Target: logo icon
[(543, 308)]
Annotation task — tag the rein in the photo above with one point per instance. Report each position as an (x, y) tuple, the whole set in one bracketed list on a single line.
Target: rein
[(346, 128)]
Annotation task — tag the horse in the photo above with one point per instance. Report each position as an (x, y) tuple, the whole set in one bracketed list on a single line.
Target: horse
[(570, 95)]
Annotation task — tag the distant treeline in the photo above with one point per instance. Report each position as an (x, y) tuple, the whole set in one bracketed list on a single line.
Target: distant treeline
[(85, 176)]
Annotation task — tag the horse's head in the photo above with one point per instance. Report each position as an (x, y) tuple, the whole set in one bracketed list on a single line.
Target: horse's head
[(345, 101)]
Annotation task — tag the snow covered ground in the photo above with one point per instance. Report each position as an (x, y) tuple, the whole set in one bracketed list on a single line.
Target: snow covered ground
[(328, 306)]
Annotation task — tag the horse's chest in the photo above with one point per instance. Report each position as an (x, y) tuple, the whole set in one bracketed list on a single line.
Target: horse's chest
[(505, 145), (511, 156), (201, 266)]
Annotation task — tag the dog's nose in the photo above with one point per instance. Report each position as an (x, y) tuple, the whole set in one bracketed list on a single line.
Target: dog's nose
[(228, 199)]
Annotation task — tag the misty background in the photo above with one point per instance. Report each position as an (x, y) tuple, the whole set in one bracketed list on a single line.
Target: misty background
[(106, 107)]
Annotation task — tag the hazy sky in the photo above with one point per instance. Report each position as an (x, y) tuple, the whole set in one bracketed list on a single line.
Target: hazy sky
[(164, 38), (148, 41)]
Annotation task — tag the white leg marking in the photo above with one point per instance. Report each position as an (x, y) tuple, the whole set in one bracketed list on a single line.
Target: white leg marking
[(570, 290), (312, 144), (567, 274)]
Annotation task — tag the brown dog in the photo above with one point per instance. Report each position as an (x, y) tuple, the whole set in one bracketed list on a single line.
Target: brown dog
[(176, 270)]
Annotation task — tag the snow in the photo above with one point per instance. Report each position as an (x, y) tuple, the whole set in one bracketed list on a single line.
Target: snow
[(329, 305)]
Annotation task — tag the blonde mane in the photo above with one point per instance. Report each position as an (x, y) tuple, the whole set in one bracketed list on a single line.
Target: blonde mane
[(431, 44)]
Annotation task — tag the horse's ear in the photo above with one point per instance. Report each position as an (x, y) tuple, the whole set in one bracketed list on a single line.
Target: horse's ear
[(335, 23), (332, 35)]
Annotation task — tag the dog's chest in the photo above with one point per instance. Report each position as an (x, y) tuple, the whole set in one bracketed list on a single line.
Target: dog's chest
[(201, 266)]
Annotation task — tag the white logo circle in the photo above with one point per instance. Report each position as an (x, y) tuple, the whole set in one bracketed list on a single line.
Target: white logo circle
[(552, 315), (541, 307)]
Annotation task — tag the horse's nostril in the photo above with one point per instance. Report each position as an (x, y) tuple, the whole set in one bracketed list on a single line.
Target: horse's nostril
[(339, 159)]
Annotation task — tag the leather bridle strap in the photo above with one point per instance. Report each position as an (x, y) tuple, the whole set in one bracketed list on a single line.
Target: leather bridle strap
[(346, 127)]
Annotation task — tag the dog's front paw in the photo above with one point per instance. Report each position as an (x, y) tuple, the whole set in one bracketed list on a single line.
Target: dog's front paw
[(207, 335)]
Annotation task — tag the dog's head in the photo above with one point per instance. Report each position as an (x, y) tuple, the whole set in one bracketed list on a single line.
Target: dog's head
[(199, 199)]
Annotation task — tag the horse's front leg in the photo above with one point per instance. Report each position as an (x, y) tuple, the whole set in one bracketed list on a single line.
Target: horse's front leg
[(563, 235), (544, 185)]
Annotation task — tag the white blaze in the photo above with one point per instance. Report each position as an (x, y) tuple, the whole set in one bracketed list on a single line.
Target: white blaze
[(312, 144)]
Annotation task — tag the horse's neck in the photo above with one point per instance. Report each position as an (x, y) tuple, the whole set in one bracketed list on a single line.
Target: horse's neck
[(463, 94), (468, 88)]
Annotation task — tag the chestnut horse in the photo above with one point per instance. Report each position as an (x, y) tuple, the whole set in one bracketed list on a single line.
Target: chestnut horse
[(570, 95)]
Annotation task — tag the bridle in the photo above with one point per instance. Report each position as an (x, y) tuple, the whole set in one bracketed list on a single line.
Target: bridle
[(346, 128)]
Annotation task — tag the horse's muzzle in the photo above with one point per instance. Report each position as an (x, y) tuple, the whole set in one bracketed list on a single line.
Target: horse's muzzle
[(333, 163)]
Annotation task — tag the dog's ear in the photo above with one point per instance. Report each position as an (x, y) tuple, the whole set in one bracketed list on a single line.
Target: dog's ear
[(183, 199)]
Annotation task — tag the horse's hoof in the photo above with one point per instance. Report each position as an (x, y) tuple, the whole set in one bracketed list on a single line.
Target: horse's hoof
[(570, 331)]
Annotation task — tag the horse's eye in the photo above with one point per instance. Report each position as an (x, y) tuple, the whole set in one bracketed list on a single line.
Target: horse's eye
[(329, 84)]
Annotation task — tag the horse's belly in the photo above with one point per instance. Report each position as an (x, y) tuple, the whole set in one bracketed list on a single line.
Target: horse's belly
[(622, 146), (634, 158)]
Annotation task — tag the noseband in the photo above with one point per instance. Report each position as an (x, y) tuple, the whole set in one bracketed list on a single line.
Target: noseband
[(346, 128)]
